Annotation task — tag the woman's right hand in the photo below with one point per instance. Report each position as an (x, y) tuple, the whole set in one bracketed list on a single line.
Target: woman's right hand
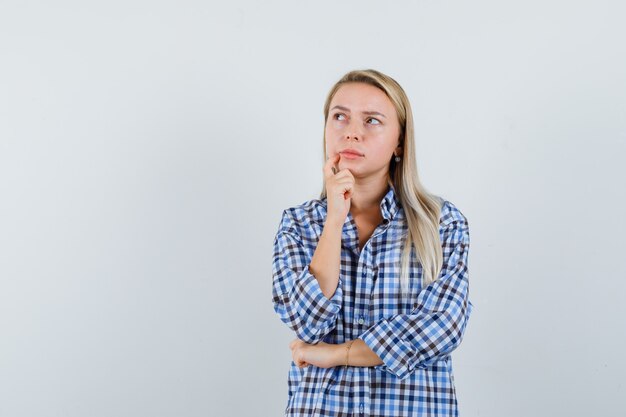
[(339, 187)]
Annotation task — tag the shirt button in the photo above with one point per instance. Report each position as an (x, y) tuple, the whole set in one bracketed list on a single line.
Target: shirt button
[(361, 320), (361, 407)]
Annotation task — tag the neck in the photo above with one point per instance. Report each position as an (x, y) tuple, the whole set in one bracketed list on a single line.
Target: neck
[(367, 194)]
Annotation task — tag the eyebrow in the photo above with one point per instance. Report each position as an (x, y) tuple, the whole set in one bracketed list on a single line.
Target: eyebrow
[(363, 112)]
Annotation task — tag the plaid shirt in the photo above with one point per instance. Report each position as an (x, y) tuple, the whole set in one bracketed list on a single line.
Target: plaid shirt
[(414, 337)]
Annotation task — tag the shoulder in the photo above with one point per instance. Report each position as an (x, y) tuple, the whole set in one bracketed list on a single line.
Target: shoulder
[(451, 215), (299, 218)]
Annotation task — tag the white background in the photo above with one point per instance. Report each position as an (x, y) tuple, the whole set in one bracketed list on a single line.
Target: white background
[(147, 150)]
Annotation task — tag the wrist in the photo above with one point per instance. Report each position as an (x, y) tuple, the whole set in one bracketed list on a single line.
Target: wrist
[(334, 223), (344, 351), (339, 354)]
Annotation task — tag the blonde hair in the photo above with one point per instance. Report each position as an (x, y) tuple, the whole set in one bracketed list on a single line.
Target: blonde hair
[(422, 209)]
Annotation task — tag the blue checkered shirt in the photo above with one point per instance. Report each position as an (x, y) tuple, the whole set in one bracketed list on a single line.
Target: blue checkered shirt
[(414, 336)]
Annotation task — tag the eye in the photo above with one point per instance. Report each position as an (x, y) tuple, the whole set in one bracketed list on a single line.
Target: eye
[(337, 114), (372, 118)]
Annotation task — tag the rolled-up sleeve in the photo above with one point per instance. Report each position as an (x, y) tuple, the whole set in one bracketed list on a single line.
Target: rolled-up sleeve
[(296, 294), (435, 326)]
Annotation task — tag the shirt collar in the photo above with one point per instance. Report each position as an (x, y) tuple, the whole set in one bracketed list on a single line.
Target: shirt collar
[(389, 206)]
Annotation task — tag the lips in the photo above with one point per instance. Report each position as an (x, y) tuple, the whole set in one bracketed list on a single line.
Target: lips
[(352, 152)]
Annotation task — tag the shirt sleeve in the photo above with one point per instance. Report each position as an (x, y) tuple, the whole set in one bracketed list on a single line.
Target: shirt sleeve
[(296, 294), (435, 326)]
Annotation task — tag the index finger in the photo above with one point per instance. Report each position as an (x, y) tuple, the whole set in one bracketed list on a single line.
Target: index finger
[(330, 164)]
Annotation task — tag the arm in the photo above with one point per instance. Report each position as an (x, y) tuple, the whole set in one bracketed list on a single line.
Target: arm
[(325, 264), (360, 354), (297, 294), (436, 325), (328, 355)]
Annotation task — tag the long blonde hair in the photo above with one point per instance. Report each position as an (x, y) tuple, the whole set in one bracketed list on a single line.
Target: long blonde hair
[(422, 209)]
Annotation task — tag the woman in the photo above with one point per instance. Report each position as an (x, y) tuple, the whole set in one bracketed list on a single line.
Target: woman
[(372, 276)]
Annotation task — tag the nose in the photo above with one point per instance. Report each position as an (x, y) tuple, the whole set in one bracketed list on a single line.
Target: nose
[(353, 132)]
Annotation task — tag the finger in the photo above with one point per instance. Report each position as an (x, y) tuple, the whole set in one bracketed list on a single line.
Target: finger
[(301, 363), (329, 166), (348, 174), (345, 174), (345, 184)]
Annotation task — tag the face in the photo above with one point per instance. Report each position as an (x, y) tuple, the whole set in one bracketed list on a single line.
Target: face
[(362, 117)]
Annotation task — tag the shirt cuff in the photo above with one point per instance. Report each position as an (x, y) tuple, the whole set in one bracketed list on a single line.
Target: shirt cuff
[(396, 354), (317, 311)]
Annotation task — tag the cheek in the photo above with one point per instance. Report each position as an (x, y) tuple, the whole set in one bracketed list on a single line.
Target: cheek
[(332, 141), (335, 126), (380, 156)]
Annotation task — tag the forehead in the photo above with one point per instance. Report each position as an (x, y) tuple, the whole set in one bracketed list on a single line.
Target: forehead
[(362, 97)]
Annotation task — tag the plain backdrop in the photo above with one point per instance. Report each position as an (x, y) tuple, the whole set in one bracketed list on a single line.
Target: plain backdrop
[(148, 148)]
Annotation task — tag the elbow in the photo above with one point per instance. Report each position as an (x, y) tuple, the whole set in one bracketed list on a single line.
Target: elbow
[(308, 332), (401, 369), (447, 343), (310, 335), (457, 332), (403, 373)]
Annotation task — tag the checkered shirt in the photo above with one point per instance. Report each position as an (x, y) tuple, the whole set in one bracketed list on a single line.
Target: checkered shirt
[(414, 336)]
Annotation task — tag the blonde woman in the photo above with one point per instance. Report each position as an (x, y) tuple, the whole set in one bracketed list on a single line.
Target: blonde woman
[(373, 275)]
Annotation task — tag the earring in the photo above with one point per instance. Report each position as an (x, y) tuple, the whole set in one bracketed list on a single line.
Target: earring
[(397, 158)]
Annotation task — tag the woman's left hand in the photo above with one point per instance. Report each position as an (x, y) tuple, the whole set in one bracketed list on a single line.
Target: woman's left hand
[(321, 354)]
